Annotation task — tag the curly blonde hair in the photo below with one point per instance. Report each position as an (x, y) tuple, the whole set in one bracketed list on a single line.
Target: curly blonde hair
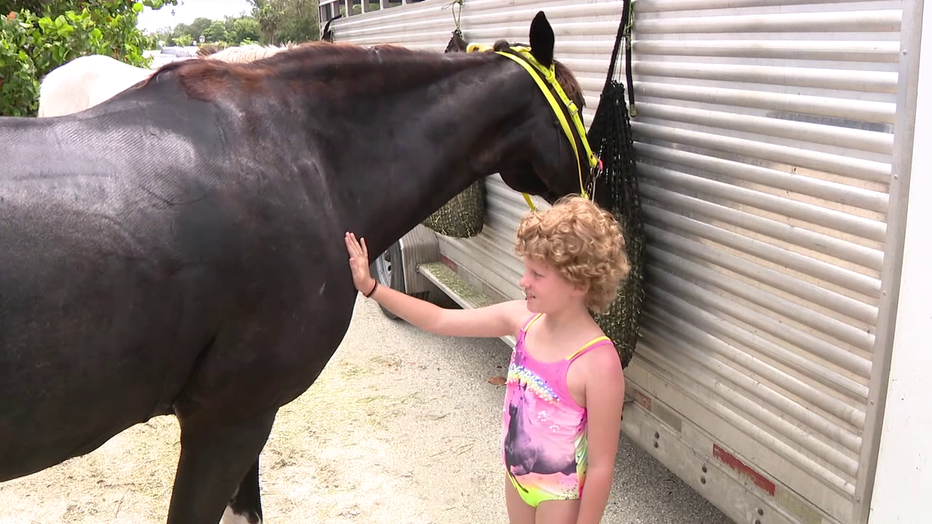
[(582, 242)]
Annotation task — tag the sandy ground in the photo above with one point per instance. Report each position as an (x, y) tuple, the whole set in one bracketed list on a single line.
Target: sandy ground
[(402, 427)]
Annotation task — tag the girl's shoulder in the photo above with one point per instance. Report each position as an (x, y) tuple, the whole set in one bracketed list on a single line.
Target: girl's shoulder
[(517, 314)]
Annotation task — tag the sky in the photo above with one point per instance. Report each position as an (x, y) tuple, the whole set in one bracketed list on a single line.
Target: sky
[(187, 10)]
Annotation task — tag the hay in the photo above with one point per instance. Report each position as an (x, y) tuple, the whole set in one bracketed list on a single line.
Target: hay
[(463, 216)]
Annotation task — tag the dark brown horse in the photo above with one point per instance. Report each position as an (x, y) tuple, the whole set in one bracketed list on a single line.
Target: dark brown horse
[(179, 248)]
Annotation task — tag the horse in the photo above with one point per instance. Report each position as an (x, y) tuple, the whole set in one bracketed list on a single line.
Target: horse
[(85, 82), (249, 52), (523, 454), (206, 50), (178, 249), (89, 80)]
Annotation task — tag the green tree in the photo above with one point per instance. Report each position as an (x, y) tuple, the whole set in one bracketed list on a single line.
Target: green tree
[(36, 6), (197, 27), (228, 25), (286, 20), (164, 36), (37, 36), (269, 19), (184, 40), (216, 32), (245, 28), (180, 30)]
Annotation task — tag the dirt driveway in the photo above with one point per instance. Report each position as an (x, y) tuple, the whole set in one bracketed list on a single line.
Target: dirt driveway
[(401, 428)]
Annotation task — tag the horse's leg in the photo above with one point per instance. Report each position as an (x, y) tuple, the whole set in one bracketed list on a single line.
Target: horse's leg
[(245, 506), (215, 459)]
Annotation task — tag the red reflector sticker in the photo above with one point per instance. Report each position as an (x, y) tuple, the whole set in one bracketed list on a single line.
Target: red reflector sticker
[(642, 400), (743, 468)]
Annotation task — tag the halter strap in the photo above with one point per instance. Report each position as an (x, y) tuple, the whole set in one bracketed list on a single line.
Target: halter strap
[(536, 70), (546, 80)]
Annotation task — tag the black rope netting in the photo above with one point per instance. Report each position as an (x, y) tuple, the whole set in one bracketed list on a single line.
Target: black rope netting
[(617, 191)]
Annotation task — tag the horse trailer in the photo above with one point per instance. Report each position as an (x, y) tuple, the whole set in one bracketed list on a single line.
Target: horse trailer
[(783, 341)]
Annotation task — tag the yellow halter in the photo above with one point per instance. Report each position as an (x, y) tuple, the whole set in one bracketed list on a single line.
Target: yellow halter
[(545, 76)]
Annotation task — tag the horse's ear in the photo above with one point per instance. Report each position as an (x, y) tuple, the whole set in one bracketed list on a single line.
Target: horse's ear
[(542, 40)]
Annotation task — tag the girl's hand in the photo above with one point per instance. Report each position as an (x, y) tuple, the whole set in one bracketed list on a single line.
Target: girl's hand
[(359, 263), (497, 320)]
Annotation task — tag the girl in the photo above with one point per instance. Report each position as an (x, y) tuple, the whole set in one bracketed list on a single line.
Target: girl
[(565, 388)]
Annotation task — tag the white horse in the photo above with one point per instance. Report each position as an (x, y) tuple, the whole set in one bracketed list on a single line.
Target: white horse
[(247, 53), (85, 82), (89, 80)]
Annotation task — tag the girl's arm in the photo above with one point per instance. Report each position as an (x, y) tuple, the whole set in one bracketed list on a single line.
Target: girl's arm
[(493, 321), (605, 391)]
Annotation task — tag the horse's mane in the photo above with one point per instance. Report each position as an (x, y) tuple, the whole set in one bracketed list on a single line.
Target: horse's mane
[(205, 78)]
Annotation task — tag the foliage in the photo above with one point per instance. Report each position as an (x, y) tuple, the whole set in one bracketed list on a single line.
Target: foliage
[(245, 28), (287, 20), (184, 40), (236, 30), (216, 32), (195, 29), (271, 22), (36, 36)]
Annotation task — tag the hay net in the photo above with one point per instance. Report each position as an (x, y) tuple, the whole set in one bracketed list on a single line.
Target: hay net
[(617, 191)]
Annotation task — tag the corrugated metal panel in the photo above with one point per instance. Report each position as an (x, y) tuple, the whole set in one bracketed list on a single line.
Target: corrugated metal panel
[(765, 134), (765, 137), (422, 25)]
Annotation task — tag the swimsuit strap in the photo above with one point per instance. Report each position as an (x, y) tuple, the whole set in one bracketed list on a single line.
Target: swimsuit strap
[(594, 343), (531, 321)]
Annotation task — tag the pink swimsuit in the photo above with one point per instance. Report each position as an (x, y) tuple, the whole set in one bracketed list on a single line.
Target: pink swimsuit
[(544, 438)]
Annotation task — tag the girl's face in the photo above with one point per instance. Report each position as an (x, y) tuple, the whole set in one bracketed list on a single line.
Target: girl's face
[(545, 289)]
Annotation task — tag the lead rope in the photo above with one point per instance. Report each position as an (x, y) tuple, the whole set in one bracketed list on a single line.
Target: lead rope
[(456, 13), (628, 23)]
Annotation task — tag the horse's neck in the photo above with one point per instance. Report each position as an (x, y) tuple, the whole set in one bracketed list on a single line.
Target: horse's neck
[(432, 148)]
